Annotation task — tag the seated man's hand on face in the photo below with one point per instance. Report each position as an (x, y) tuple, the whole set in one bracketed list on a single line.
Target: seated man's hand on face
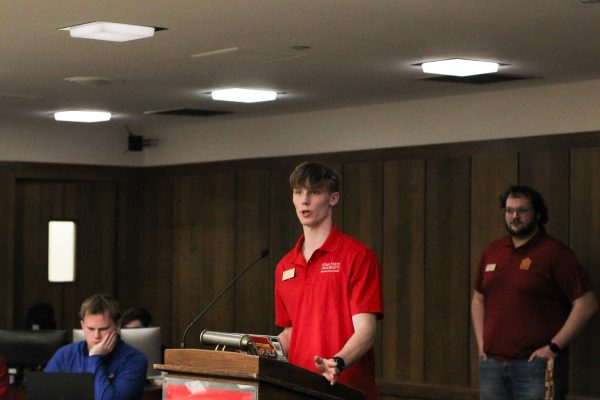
[(106, 345)]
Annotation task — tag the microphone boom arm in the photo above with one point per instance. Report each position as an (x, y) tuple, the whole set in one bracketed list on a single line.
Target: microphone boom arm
[(262, 255)]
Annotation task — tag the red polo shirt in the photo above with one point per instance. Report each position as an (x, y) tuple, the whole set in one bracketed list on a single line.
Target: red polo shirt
[(318, 299), (528, 293)]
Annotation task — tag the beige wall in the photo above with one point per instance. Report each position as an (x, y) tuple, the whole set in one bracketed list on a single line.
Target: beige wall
[(540, 110), (502, 114), (45, 140)]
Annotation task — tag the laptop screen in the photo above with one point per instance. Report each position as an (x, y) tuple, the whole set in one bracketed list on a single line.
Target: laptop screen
[(59, 386)]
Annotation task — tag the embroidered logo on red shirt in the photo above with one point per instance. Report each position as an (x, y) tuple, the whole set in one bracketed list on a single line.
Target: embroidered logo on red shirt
[(330, 267), (525, 263)]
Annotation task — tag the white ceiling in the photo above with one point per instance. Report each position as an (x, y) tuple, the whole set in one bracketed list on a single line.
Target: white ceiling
[(360, 52)]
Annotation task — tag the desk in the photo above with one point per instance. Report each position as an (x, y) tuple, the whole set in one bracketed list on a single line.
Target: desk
[(16, 393), (152, 393)]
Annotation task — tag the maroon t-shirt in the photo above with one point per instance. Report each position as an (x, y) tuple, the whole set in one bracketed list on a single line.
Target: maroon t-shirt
[(528, 293)]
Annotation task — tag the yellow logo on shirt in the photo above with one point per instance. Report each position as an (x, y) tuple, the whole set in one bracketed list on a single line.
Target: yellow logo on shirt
[(525, 263)]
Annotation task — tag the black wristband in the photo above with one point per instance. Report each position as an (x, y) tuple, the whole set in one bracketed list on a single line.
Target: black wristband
[(554, 348), (341, 364)]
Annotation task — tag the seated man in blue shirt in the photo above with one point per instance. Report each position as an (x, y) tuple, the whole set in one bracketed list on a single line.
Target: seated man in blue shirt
[(119, 369)]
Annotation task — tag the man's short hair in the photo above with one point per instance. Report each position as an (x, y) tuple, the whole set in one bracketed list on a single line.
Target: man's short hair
[(535, 198), (99, 304), (315, 174), (139, 313)]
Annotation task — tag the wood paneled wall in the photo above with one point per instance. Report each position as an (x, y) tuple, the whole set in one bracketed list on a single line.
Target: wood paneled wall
[(180, 234), (93, 207), (31, 195), (584, 230)]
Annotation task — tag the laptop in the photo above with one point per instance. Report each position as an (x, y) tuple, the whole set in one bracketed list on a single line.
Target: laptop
[(59, 386)]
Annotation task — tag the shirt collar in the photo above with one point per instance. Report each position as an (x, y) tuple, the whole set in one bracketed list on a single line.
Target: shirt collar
[(333, 240), (330, 245), (531, 243)]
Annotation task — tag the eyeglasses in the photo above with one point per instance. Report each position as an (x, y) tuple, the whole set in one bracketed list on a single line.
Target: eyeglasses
[(519, 211)]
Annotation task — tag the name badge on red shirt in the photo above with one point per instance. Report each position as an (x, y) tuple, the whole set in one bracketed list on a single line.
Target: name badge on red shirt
[(288, 274)]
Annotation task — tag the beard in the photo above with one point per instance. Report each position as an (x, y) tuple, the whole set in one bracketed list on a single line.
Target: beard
[(523, 231)]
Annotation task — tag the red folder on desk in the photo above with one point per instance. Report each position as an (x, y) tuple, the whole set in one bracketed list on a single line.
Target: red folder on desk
[(182, 392)]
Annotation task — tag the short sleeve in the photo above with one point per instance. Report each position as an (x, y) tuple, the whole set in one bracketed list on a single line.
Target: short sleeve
[(365, 285)]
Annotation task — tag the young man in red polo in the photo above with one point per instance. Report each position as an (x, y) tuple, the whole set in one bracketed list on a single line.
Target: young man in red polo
[(328, 288)]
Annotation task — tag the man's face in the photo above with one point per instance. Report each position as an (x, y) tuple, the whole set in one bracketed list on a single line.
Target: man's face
[(96, 327), (313, 205), (519, 217)]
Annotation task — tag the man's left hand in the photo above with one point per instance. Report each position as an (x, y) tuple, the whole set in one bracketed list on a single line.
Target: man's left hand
[(328, 368), (543, 352)]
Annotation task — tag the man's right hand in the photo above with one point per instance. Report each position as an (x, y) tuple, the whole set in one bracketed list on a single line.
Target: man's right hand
[(106, 345)]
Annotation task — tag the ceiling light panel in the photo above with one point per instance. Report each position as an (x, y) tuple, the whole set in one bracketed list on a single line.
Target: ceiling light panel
[(111, 31), (244, 95), (459, 67), (82, 116)]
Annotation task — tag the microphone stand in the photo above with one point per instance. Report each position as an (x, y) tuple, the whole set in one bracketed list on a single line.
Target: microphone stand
[(262, 255)]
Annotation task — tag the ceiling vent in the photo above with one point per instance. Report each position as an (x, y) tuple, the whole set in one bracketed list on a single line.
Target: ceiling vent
[(188, 112), (10, 98), (482, 79)]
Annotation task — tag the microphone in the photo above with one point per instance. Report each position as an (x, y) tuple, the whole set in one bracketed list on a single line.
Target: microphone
[(236, 340), (262, 255)]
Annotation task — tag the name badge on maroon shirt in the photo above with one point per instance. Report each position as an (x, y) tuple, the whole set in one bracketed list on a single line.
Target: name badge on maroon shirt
[(490, 267), (288, 274)]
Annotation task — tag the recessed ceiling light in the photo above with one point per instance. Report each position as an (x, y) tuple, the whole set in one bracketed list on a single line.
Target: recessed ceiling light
[(459, 67), (82, 116), (110, 31), (244, 95)]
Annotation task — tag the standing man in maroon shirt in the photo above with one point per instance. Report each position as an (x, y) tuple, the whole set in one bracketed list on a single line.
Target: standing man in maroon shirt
[(531, 298)]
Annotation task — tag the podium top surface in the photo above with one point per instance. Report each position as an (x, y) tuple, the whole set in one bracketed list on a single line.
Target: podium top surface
[(230, 365)]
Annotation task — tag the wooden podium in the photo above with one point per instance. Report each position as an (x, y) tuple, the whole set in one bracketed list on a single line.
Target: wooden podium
[(203, 374)]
